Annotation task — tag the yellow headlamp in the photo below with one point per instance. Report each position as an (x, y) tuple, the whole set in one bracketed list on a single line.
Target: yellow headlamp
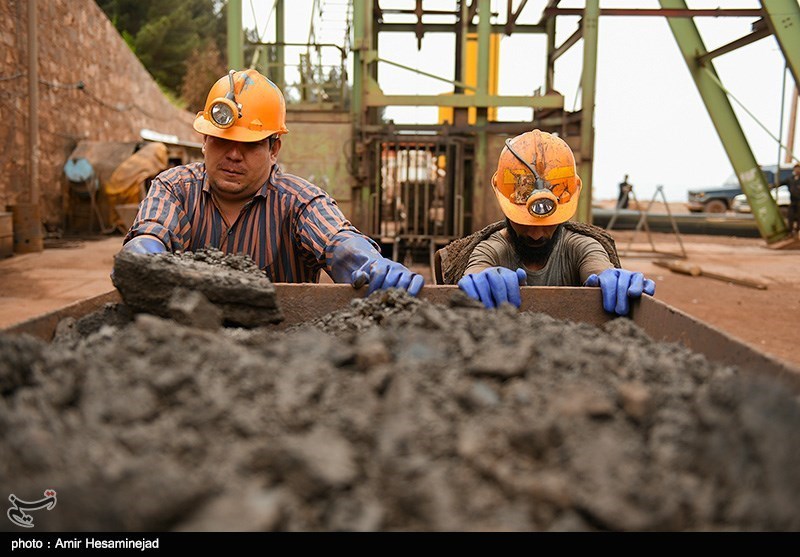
[(224, 111), (537, 196)]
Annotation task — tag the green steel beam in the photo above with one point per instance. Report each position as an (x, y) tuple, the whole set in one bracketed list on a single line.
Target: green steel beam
[(359, 49), (784, 20), (373, 57), (484, 36), (235, 35), (591, 16), (461, 115), (550, 62), (463, 26), (375, 98), (768, 219), (712, 12), (360, 197), (280, 71), (448, 28), (479, 197), (567, 44), (758, 34)]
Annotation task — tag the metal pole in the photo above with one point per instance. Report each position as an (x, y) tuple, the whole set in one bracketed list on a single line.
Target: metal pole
[(783, 17), (591, 16), (480, 195), (280, 70), (549, 74), (26, 219), (359, 50), (235, 36), (792, 125), (33, 104), (776, 180)]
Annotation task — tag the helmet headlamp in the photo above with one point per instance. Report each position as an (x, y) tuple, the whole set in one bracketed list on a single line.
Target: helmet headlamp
[(541, 204), (224, 111), (539, 200)]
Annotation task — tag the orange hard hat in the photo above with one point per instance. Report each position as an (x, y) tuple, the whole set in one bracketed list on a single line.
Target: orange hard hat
[(536, 183), (243, 106)]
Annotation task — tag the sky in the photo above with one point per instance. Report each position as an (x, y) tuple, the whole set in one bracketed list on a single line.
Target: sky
[(650, 121)]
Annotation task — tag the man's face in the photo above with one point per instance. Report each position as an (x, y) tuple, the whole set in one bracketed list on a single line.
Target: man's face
[(237, 170), (531, 242)]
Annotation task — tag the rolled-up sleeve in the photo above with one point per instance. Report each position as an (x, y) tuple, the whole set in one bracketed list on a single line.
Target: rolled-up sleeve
[(320, 227), (161, 214)]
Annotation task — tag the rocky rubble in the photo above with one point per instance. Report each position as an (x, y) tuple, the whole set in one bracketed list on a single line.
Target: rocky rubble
[(392, 414)]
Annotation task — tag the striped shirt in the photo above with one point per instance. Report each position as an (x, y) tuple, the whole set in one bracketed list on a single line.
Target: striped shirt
[(289, 227)]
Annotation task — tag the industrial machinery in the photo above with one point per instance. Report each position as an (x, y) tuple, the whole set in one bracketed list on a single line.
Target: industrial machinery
[(423, 185)]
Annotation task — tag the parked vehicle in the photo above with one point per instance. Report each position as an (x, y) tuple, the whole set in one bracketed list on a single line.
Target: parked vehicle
[(720, 199), (780, 195)]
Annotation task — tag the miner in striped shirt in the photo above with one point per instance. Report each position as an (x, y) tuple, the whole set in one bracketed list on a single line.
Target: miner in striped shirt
[(239, 201)]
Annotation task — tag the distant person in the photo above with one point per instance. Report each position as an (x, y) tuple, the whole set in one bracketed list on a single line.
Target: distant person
[(624, 193), (537, 188), (794, 201), (239, 201)]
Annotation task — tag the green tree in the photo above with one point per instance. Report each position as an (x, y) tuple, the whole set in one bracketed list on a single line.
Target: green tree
[(203, 68), (164, 34)]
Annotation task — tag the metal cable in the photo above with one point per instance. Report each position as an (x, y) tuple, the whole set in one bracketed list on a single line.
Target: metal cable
[(756, 120)]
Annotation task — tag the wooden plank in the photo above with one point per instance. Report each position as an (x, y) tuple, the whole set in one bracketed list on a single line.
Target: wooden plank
[(685, 268), (44, 326)]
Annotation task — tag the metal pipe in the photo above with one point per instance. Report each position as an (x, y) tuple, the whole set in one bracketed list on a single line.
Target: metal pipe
[(448, 28), (567, 44), (746, 40), (480, 201), (280, 69), (33, 105), (26, 219), (661, 12), (776, 180), (426, 74), (588, 80), (235, 35), (792, 126)]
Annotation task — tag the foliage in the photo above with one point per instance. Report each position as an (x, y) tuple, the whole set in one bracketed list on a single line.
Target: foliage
[(171, 38), (204, 67)]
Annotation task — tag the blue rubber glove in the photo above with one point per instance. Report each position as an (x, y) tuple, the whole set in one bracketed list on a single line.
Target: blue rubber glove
[(356, 261), (145, 244), (494, 286), (617, 285)]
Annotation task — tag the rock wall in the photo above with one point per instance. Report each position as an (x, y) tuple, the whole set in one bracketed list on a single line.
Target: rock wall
[(77, 44)]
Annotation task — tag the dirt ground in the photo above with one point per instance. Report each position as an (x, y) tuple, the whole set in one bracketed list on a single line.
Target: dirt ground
[(393, 414), (768, 320)]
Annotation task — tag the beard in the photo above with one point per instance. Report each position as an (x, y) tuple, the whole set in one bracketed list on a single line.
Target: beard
[(527, 249)]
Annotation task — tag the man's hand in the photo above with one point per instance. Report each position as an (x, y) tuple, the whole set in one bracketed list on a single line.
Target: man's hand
[(145, 244), (617, 285), (495, 286), (384, 273), (356, 261)]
